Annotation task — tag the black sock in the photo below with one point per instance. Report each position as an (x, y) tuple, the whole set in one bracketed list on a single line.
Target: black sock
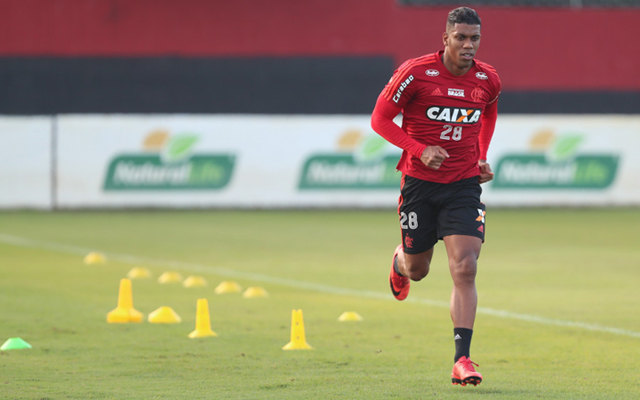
[(462, 339), (395, 265)]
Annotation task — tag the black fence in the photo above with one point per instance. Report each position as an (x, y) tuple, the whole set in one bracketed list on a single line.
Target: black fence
[(312, 85)]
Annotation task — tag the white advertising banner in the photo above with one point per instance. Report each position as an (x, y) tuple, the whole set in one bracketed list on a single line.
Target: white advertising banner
[(224, 161), (565, 160), (25, 162), (256, 161)]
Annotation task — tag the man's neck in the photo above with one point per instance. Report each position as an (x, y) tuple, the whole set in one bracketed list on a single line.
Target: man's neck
[(454, 69)]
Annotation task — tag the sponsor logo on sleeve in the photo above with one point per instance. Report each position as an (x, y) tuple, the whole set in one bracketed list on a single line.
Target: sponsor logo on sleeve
[(482, 75), (432, 72), (402, 87), (454, 115)]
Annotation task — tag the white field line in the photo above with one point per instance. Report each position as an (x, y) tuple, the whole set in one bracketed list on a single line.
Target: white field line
[(230, 273)]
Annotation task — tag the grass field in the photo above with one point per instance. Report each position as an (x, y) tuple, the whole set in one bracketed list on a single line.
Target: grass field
[(559, 313)]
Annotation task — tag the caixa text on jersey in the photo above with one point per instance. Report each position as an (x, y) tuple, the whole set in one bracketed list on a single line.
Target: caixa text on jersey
[(454, 115)]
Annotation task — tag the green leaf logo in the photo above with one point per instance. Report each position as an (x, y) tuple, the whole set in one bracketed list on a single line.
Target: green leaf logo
[(372, 149), (179, 147), (565, 147)]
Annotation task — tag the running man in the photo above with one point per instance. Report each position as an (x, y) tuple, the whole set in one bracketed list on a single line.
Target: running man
[(448, 102)]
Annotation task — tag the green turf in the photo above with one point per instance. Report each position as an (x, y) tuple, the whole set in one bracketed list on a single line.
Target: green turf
[(546, 268)]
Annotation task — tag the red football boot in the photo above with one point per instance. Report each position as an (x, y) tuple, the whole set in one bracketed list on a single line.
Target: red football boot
[(399, 284), (464, 373)]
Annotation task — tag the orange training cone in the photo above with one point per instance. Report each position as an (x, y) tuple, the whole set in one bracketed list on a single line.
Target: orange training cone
[(298, 341), (203, 322), (124, 312)]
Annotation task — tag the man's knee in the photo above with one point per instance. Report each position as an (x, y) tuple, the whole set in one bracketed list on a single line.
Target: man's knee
[(464, 270), (417, 270)]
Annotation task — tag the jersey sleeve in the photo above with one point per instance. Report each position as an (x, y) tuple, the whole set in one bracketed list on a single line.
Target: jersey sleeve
[(382, 122), (490, 115), (399, 90), (497, 86), (489, 118)]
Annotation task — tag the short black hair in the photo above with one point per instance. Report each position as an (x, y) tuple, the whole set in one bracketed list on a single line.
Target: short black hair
[(463, 15)]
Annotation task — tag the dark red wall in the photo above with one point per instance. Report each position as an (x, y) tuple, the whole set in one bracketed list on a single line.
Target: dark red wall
[(532, 48)]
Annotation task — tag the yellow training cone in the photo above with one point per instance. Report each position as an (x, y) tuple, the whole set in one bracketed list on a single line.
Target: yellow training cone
[(194, 281), (124, 312), (203, 323), (228, 287), (139, 273), (164, 315), (350, 316), (255, 291), (298, 341), (170, 277), (95, 258)]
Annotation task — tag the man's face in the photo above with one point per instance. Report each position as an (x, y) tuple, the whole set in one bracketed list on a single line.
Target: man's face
[(461, 42)]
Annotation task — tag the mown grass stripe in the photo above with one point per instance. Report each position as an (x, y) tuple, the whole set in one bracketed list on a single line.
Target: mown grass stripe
[(230, 273)]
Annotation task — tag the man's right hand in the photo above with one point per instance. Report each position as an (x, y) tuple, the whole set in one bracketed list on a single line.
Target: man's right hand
[(433, 156)]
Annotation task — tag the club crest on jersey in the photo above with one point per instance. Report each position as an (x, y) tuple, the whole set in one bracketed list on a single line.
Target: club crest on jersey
[(454, 115), (456, 92), (402, 87), (477, 94)]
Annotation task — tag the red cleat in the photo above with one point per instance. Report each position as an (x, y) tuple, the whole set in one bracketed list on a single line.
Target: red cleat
[(399, 284), (464, 373)]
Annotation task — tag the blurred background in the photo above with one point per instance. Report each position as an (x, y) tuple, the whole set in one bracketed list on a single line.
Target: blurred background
[(266, 104)]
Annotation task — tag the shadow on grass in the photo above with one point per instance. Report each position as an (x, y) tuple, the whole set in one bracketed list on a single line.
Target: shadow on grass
[(502, 393)]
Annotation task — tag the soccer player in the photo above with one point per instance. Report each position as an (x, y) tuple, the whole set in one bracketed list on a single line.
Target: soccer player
[(448, 102)]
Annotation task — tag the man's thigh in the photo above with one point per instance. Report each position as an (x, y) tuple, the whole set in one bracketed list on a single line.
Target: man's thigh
[(418, 216), (462, 213)]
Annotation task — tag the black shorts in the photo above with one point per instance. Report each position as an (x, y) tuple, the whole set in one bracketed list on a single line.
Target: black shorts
[(430, 211)]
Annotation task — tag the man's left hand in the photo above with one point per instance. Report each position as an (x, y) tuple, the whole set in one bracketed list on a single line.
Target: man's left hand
[(485, 171)]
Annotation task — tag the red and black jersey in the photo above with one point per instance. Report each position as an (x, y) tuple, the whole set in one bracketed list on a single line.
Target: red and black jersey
[(438, 108)]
